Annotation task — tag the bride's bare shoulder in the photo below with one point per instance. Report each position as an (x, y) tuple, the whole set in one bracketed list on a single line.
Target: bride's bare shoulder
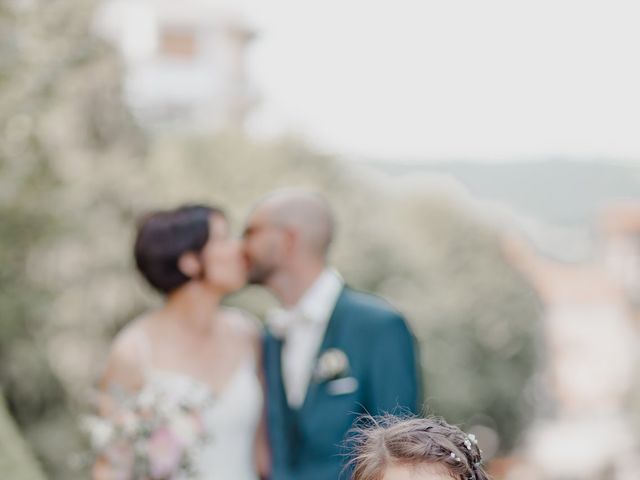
[(123, 365), (130, 338)]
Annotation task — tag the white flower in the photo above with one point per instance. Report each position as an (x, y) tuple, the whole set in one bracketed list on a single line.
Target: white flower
[(130, 423), (333, 363), (100, 431), (146, 399), (166, 410)]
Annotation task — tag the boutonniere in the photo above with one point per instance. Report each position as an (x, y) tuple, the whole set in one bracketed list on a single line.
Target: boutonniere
[(332, 364)]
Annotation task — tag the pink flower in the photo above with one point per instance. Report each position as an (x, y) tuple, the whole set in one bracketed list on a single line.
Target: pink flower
[(165, 453)]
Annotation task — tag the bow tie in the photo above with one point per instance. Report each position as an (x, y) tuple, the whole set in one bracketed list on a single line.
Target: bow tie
[(279, 320)]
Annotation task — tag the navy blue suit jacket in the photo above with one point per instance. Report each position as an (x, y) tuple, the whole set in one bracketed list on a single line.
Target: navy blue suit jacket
[(383, 377)]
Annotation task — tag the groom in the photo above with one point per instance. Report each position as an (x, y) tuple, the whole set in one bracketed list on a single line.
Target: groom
[(331, 353)]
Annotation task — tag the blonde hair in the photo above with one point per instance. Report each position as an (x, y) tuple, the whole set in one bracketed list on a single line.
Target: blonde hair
[(379, 443)]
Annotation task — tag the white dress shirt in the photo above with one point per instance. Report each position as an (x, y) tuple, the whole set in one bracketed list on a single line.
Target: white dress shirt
[(303, 327)]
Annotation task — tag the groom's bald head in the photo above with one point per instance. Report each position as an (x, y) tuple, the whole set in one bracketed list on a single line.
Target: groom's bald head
[(287, 229), (286, 241), (303, 211)]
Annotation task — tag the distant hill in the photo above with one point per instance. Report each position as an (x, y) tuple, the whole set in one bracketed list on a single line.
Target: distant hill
[(560, 192)]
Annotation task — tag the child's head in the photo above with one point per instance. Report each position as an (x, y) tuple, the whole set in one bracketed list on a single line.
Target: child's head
[(417, 449)]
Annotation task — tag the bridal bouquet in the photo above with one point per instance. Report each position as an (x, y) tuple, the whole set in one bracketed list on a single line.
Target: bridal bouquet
[(150, 436)]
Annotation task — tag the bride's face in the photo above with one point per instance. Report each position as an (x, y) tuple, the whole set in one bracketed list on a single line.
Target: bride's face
[(225, 268)]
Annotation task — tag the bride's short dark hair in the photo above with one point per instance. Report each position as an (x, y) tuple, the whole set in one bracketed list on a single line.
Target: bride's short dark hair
[(409, 441), (164, 236)]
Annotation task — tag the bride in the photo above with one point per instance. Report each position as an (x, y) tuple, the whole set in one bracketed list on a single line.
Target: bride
[(192, 342)]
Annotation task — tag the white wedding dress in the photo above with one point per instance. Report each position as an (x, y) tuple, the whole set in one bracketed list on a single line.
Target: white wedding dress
[(230, 419)]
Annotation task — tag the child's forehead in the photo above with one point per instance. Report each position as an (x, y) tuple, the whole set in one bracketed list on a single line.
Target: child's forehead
[(422, 471)]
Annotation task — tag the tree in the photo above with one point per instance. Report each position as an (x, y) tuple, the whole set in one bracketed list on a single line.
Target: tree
[(60, 112), (16, 460)]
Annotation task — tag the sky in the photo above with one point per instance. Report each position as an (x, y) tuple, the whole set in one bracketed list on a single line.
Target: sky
[(416, 80)]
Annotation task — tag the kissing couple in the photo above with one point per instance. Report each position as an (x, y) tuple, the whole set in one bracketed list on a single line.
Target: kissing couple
[(280, 400)]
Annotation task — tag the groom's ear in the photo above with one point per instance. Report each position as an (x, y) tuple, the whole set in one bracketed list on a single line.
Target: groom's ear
[(189, 265)]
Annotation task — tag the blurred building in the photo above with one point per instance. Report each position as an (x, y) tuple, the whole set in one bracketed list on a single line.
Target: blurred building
[(591, 336), (185, 61)]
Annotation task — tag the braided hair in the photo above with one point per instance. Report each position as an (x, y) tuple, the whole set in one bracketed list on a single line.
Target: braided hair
[(382, 442)]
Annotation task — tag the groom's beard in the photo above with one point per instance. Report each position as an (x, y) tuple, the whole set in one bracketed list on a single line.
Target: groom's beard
[(260, 274)]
